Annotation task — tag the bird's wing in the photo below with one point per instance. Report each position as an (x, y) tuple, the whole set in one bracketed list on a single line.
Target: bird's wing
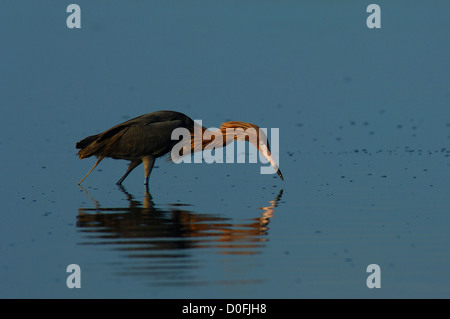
[(144, 138), (148, 134)]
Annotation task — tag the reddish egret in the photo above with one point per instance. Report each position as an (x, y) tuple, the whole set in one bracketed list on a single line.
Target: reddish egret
[(146, 137)]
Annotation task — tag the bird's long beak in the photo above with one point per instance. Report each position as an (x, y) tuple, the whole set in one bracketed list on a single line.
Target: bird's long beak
[(279, 174), (266, 153)]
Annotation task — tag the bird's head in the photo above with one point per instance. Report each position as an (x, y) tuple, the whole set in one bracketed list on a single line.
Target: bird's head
[(243, 131)]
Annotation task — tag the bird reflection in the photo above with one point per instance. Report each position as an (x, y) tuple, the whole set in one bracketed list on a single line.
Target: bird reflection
[(162, 239)]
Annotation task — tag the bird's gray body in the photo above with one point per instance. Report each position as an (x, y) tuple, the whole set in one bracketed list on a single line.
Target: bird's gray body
[(141, 139), (148, 134)]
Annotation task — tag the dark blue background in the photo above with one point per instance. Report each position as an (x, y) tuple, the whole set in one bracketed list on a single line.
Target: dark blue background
[(364, 125)]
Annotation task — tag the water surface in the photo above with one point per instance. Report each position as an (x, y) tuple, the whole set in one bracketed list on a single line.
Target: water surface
[(364, 124)]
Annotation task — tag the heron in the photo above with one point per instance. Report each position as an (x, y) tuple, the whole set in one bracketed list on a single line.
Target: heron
[(144, 138)]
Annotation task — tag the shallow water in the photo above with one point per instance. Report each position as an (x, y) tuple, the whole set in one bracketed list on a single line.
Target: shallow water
[(364, 123)]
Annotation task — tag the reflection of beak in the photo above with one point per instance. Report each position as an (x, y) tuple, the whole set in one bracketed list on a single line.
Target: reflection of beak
[(264, 150)]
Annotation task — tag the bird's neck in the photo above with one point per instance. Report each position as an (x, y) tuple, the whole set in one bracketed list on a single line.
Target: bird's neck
[(203, 138)]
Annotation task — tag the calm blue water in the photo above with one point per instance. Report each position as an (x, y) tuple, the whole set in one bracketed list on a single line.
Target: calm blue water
[(364, 119)]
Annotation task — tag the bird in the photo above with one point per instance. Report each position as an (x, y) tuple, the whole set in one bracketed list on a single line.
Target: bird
[(144, 138)]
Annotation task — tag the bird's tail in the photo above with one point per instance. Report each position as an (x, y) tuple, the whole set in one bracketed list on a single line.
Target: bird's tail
[(87, 146), (101, 144)]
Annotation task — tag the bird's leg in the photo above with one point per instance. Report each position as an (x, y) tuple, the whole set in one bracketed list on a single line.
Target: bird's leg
[(132, 166), (98, 161), (149, 161)]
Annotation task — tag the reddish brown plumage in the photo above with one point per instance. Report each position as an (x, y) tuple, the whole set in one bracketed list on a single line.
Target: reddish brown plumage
[(233, 130)]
